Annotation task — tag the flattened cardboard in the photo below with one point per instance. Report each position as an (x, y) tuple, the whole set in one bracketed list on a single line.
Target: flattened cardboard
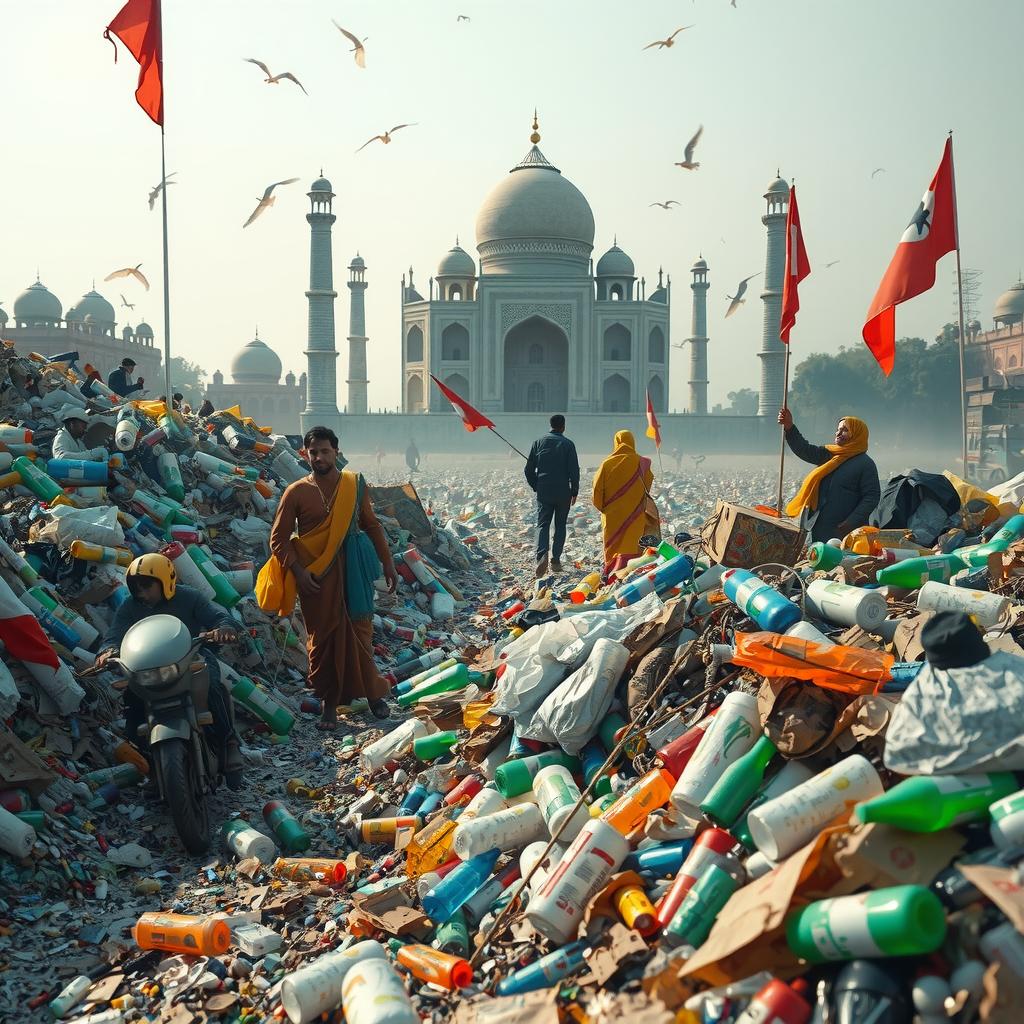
[(878, 856), (1000, 886)]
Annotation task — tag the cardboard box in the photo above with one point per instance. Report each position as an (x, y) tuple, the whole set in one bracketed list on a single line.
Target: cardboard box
[(741, 537)]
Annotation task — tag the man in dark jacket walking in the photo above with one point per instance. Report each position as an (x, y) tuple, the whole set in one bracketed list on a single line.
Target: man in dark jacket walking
[(553, 471), (120, 380)]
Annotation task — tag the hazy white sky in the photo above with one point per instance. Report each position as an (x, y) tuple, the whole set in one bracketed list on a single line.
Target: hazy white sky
[(825, 90)]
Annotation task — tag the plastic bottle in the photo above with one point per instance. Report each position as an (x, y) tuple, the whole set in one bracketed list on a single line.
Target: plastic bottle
[(186, 569), (661, 860), (701, 906), (465, 790), (487, 801), (290, 835), (452, 936), (845, 605), (39, 600), (514, 778), (987, 609), (635, 591), (126, 433), (458, 886), (127, 774), (374, 994), (557, 795), (14, 435), (310, 869), (45, 488), (904, 920), (711, 848), (510, 829), (1012, 531), (546, 972), (244, 841), (315, 988), (1007, 827), (586, 586), (788, 777), (455, 677), (776, 1003), (476, 907), (763, 603), (733, 731), (224, 593), (676, 754), (384, 830), (71, 995), (391, 746), (257, 700), (806, 631), (869, 991), (427, 748), (17, 837), (190, 934), (170, 475), (78, 471), (424, 663), (15, 800), (412, 800), (88, 552), (737, 785), (824, 557), (930, 803), (649, 792), (595, 854), (912, 573), (673, 573), (17, 563), (635, 909), (433, 965)]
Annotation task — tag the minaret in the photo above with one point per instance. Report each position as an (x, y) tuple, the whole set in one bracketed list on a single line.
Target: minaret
[(322, 386), (698, 340), (772, 354), (357, 338)]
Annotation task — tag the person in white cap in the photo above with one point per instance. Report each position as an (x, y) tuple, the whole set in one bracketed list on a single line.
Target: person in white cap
[(68, 443)]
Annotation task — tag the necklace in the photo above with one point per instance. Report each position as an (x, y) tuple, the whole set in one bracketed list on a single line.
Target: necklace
[(323, 497)]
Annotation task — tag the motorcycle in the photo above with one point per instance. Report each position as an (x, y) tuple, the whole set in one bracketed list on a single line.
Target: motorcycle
[(166, 672)]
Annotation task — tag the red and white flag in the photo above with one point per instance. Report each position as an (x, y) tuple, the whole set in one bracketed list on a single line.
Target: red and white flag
[(653, 427), (930, 234), (472, 419), (797, 268), (137, 25)]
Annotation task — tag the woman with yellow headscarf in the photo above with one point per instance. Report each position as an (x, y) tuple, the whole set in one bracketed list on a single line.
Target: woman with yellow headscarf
[(622, 486), (842, 490)]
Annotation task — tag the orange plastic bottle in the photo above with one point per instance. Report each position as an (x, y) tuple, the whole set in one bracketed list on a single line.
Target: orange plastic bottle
[(636, 910), (646, 794), (310, 869), (182, 933), (429, 964)]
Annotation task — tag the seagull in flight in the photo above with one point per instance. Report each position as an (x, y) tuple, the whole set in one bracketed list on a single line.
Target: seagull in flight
[(667, 205), (157, 189), (737, 299), (274, 79), (878, 170), (688, 163), (267, 200), (462, 17), (386, 137), (679, 344), (662, 44), (832, 264), (126, 304), (129, 272), (357, 44)]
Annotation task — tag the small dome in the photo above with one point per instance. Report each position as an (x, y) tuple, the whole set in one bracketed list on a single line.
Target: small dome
[(456, 262), (615, 263), (256, 363), (777, 187), (37, 303), (92, 303), (3, 316), (321, 185), (1009, 306), (701, 264), (71, 315), (143, 330), (358, 263)]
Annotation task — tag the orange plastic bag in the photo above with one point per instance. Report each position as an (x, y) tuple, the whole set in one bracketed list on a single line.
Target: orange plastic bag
[(849, 670)]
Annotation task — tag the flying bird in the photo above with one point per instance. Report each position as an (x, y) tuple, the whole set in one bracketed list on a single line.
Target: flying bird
[(679, 344), (667, 205), (463, 17), (157, 189), (386, 137), (832, 264), (688, 163), (357, 44), (737, 299), (877, 170), (130, 272), (126, 303), (662, 43), (274, 79), (267, 200)]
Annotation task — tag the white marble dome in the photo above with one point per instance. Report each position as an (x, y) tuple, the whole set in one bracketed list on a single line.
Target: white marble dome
[(456, 262), (37, 303), (256, 363), (95, 305), (615, 263), (1010, 305)]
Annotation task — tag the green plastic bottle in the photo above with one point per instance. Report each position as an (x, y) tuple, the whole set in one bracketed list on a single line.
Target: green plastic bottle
[(426, 748), (667, 550), (905, 920), (693, 921), (513, 778), (612, 723), (738, 784), (456, 677), (290, 835), (930, 803), (255, 699), (914, 572), (224, 593), (44, 487), (1011, 531), (453, 935), (824, 556)]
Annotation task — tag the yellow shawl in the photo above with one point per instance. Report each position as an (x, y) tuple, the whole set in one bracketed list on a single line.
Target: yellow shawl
[(807, 496), (276, 588)]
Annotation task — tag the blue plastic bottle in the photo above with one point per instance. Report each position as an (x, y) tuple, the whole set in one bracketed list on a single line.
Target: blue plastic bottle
[(674, 572), (413, 799), (78, 471), (662, 861), (430, 804), (549, 970), (458, 886), (593, 757), (635, 591), (60, 631), (763, 603)]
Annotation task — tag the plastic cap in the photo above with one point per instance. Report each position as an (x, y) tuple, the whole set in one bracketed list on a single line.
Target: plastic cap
[(717, 840), (783, 1003)]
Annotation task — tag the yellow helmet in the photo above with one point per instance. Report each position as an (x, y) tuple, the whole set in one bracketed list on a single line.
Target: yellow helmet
[(158, 567)]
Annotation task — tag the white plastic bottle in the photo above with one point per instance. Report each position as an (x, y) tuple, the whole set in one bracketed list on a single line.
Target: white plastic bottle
[(373, 993), (244, 841), (804, 630), (17, 837), (780, 826), (594, 856), (316, 988), (487, 801), (510, 829), (987, 608), (732, 732), (845, 605), (392, 745), (557, 795)]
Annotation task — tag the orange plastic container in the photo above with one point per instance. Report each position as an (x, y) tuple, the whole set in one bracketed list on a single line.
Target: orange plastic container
[(429, 964), (636, 910), (182, 933), (310, 869), (378, 830), (646, 794), (125, 753)]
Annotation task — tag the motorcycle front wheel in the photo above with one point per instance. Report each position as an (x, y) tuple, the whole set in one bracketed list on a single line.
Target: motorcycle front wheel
[(184, 795)]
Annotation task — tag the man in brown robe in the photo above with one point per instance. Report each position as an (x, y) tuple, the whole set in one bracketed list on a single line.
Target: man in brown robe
[(341, 665)]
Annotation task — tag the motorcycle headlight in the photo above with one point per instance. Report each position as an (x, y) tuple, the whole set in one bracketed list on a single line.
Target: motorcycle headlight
[(158, 676)]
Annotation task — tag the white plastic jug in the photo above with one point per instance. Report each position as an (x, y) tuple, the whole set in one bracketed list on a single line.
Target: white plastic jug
[(845, 605), (510, 829), (316, 988), (988, 609), (392, 745), (373, 993)]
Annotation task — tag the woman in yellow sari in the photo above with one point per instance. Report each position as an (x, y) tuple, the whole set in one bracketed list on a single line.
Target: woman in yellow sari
[(622, 486)]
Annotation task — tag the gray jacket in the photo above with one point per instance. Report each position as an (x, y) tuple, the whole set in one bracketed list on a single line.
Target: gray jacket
[(553, 469), (197, 613)]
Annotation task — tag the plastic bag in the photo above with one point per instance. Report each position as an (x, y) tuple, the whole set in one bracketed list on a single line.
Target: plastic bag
[(94, 525)]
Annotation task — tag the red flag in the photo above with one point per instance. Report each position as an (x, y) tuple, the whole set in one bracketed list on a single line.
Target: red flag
[(930, 234), (797, 268), (137, 25), (653, 428), (472, 419)]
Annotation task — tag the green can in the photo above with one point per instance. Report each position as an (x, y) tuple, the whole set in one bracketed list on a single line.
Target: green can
[(290, 835)]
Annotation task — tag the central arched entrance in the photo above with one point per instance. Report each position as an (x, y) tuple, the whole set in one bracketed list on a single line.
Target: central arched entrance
[(536, 367)]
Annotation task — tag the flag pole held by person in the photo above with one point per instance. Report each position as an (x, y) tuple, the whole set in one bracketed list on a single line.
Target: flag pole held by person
[(472, 419)]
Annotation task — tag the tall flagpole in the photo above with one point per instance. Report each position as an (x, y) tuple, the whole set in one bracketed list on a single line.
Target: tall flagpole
[(163, 196), (960, 303), (785, 405)]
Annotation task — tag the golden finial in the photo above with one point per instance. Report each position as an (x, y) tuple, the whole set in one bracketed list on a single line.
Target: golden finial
[(535, 135)]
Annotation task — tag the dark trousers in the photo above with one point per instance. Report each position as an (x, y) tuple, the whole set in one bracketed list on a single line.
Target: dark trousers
[(545, 512)]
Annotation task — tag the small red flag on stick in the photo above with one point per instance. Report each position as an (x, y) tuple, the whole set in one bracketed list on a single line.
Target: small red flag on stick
[(653, 427), (472, 419), (797, 268), (137, 25)]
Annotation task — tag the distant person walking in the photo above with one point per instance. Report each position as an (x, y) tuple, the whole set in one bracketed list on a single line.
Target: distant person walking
[(206, 408), (412, 456), (553, 472), (380, 460), (843, 489), (120, 380), (622, 494)]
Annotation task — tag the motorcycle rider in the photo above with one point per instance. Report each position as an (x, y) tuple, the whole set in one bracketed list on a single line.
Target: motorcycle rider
[(152, 582)]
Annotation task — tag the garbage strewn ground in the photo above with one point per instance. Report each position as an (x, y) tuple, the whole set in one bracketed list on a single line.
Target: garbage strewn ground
[(783, 787)]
